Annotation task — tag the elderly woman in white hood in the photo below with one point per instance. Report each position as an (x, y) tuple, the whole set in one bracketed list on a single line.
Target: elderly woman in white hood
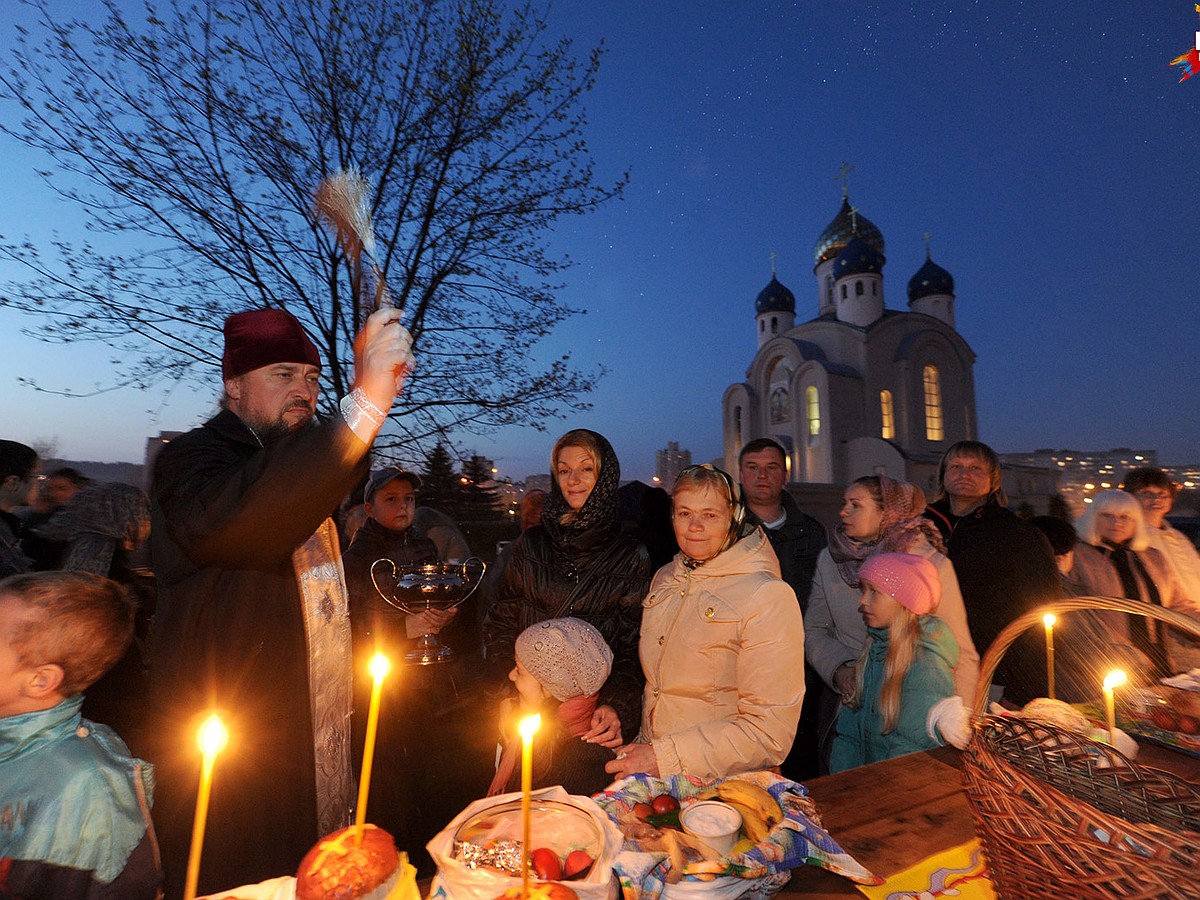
[(722, 645)]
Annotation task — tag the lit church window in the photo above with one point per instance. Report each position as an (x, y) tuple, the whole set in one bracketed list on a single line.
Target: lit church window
[(934, 431), (813, 403), (889, 415)]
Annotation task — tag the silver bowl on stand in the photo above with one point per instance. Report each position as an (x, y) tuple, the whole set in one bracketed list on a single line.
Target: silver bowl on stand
[(414, 589)]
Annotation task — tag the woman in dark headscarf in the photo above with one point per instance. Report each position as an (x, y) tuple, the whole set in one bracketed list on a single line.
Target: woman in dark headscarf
[(878, 515), (100, 526), (578, 562)]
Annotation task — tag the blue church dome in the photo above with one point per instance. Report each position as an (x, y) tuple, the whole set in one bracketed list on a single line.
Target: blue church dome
[(930, 279), (775, 298), (846, 225), (858, 258)]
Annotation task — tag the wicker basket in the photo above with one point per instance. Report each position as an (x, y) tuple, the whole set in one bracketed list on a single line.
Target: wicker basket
[(1060, 815)]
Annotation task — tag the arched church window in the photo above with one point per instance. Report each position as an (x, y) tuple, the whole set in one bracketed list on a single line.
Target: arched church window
[(874, 288), (843, 292), (774, 325), (829, 288), (858, 289), (934, 430), (762, 325), (888, 412), (812, 402)]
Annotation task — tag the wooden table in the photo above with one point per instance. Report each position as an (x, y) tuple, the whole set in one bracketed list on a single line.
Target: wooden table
[(893, 814)]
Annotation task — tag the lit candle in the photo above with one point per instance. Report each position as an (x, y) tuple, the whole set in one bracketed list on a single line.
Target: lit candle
[(528, 727), (1048, 620), (1113, 679), (212, 738), (379, 668)]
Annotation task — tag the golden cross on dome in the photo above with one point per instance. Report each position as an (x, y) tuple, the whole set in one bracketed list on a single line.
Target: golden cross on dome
[(927, 236), (843, 176), (773, 257)]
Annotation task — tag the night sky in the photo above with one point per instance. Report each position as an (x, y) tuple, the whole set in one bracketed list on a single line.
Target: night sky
[(1048, 148)]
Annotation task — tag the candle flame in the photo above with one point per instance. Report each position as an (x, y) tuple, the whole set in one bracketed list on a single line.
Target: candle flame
[(529, 726), (1048, 620), (213, 736), (379, 667), (1113, 679)]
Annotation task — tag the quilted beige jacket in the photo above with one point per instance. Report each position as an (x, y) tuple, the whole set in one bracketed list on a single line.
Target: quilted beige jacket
[(722, 646)]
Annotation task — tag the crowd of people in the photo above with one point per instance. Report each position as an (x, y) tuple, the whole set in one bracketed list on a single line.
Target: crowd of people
[(727, 632)]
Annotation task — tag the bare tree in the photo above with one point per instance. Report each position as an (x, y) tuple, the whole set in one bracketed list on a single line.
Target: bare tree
[(193, 140)]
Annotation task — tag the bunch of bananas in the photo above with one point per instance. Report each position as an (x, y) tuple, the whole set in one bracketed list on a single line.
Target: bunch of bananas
[(760, 811)]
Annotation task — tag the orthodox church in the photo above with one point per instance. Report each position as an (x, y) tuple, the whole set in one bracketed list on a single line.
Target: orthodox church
[(859, 389)]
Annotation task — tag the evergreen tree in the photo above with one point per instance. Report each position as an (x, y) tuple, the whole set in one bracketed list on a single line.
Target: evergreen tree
[(478, 497), (439, 482)]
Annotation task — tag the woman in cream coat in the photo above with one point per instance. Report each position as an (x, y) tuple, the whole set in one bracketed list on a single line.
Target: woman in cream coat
[(1114, 559), (722, 645), (879, 514)]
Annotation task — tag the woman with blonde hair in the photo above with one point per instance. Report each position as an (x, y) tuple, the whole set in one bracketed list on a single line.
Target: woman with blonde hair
[(578, 562), (878, 515), (722, 644), (905, 666), (1114, 559)]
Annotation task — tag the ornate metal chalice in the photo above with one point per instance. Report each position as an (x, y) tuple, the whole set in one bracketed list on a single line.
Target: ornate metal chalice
[(416, 589)]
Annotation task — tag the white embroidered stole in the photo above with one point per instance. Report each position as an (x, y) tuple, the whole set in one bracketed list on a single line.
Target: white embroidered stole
[(322, 583)]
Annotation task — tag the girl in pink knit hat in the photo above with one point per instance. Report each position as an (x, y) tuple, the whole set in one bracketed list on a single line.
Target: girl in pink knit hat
[(906, 666)]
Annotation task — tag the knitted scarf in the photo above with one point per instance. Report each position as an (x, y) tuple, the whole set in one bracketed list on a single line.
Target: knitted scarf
[(573, 716), (900, 527)]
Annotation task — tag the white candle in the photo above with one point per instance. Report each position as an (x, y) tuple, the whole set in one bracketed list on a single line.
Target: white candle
[(1113, 679), (379, 669), (1048, 620), (212, 738), (528, 727)]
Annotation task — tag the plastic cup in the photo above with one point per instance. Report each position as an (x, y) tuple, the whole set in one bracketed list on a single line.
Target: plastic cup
[(713, 822)]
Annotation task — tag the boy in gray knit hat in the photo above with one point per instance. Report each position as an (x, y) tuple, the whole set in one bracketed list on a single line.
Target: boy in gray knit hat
[(560, 667)]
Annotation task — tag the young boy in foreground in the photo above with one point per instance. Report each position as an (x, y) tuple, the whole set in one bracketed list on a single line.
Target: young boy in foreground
[(74, 806)]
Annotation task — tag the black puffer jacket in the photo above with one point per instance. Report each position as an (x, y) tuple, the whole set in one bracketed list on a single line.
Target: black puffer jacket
[(587, 568)]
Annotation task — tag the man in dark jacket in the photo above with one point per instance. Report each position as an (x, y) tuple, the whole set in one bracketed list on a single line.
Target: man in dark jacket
[(1005, 566), (251, 615), (797, 539)]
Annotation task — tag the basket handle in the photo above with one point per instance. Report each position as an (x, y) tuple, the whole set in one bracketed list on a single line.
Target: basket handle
[(1011, 631)]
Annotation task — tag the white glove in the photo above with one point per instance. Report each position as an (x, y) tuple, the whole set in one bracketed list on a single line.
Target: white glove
[(949, 722)]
